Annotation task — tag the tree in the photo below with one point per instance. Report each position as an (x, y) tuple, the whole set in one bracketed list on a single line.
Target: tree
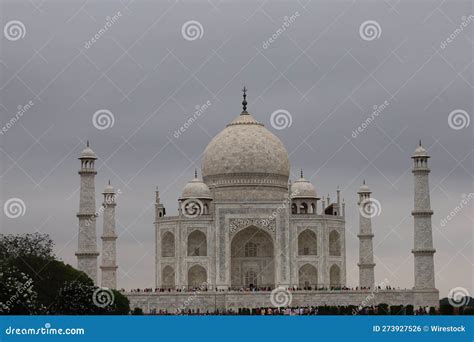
[(121, 304), (75, 298), (49, 276), (26, 245), (138, 311), (17, 296), (53, 287)]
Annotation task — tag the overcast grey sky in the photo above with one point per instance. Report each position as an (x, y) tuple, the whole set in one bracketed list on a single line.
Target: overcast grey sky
[(323, 69)]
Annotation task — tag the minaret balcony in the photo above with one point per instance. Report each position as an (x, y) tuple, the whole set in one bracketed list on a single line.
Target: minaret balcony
[(423, 251), (85, 254), (422, 212), (365, 236)]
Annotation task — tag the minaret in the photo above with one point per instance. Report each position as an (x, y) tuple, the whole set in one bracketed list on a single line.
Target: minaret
[(423, 247), (159, 208), (87, 239), (159, 213), (109, 252), (366, 252)]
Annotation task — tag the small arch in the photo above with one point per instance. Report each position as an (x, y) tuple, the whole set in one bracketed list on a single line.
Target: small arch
[(335, 276), (167, 245), (308, 276), (334, 244), (307, 243), (250, 249), (303, 208), (251, 278), (206, 209), (313, 208), (197, 244), (167, 277), (197, 276), (294, 209)]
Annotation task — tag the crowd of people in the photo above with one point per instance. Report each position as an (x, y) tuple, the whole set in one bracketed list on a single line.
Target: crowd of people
[(307, 311), (255, 289)]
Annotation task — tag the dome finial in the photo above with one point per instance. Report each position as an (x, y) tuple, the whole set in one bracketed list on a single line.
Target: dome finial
[(195, 173), (363, 182), (109, 181), (87, 144), (244, 102), (301, 172), (420, 143)]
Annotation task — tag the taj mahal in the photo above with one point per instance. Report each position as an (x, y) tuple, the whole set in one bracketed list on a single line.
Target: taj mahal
[(244, 225)]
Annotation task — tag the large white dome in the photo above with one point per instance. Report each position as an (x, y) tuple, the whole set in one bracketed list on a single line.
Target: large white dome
[(245, 146)]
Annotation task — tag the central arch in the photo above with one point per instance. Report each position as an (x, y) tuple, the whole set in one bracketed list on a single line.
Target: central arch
[(252, 259)]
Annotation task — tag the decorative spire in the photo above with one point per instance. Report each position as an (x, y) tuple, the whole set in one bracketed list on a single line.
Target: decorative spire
[(301, 172), (109, 181), (244, 102), (87, 144), (363, 182), (420, 142), (195, 173)]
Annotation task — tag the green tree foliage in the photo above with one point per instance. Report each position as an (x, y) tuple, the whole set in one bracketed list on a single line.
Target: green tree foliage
[(26, 245), (137, 311), (53, 287), (17, 296)]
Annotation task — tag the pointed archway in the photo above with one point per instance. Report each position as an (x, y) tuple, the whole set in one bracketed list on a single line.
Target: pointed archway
[(252, 259)]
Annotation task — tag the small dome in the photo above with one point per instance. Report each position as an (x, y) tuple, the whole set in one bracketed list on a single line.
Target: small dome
[(302, 188), (364, 188), (109, 189), (196, 188), (87, 153), (420, 151)]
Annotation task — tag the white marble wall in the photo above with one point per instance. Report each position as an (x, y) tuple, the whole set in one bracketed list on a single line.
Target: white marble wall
[(209, 301)]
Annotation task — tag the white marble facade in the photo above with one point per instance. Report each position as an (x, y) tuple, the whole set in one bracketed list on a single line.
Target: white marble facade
[(244, 224)]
